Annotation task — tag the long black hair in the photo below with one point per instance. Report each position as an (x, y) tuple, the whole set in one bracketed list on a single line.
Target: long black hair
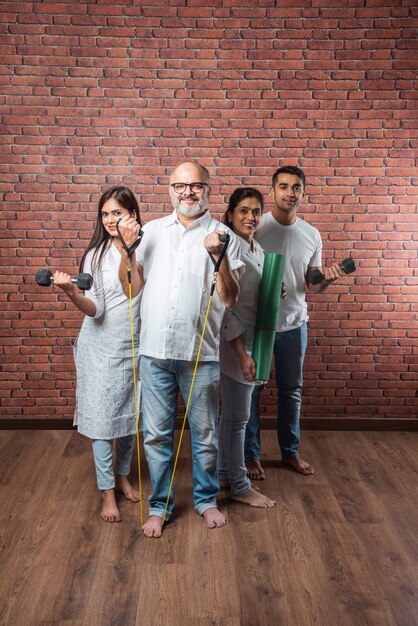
[(101, 238), (238, 196)]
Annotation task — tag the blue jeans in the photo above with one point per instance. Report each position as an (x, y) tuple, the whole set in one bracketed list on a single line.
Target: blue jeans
[(236, 401), (103, 459), (289, 354), (160, 381)]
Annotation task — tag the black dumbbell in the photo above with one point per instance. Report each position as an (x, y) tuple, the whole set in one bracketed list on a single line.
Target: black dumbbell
[(83, 281), (316, 276)]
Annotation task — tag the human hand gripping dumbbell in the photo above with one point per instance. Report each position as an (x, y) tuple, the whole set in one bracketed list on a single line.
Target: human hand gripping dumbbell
[(347, 266), (66, 282)]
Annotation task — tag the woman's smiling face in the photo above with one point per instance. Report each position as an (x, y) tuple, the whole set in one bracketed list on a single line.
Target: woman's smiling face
[(111, 213), (245, 218)]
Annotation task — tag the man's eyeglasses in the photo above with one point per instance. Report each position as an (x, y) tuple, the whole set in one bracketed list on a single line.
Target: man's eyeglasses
[(194, 187)]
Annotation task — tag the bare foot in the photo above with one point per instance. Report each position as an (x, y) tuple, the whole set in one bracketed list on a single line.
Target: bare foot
[(254, 470), (300, 465), (253, 498), (110, 511), (214, 518), (123, 485), (153, 527)]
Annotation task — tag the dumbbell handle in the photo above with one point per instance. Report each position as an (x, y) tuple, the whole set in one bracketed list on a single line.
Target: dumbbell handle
[(73, 279), (83, 281), (316, 276)]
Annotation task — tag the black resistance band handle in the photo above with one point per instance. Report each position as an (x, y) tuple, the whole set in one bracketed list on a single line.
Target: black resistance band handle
[(123, 243), (225, 238)]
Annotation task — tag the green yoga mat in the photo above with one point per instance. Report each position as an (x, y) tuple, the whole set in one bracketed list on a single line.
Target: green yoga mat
[(267, 312)]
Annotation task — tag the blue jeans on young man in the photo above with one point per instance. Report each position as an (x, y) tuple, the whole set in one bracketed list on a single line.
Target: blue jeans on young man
[(236, 403), (161, 380), (289, 354), (103, 459)]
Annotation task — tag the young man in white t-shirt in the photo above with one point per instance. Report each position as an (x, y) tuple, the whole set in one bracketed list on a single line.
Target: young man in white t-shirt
[(283, 232)]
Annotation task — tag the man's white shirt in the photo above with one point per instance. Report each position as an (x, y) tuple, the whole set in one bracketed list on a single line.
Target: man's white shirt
[(178, 274)]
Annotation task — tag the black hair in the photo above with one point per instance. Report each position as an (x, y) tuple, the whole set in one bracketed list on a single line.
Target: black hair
[(236, 197), (101, 238), (289, 169)]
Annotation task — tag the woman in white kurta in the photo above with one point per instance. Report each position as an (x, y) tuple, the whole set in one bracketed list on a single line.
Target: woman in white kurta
[(105, 408), (236, 364)]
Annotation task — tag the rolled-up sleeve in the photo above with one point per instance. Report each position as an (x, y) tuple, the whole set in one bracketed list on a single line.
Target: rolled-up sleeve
[(96, 293), (234, 254), (231, 326)]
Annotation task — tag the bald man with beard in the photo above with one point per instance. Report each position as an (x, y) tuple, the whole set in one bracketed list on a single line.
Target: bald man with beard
[(176, 271)]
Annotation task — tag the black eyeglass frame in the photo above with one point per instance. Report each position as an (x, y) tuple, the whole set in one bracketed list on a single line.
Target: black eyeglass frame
[(190, 185)]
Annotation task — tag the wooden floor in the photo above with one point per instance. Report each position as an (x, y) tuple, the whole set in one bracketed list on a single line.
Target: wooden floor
[(340, 548)]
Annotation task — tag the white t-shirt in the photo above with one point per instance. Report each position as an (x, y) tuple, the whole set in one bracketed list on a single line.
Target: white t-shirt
[(239, 320), (178, 276), (301, 244)]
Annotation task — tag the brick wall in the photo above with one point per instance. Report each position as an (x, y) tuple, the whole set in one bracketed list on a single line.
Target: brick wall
[(108, 92)]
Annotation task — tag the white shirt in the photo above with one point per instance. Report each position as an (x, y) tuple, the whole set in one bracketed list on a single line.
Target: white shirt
[(240, 319), (106, 293), (105, 406), (178, 275), (302, 246)]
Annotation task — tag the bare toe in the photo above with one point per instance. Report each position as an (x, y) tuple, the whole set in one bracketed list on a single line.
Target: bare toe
[(214, 518), (153, 527), (301, 466), (255, 470), (254, 498), (123, 485), (110, 512)]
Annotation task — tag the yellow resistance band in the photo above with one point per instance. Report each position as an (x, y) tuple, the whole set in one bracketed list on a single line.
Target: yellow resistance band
[(188, 404), (138, 447)]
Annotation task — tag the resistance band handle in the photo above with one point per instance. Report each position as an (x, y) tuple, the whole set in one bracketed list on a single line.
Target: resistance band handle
[(123, 243), (225, 238)]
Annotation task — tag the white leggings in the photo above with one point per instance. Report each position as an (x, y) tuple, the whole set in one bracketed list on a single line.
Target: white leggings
[(103, 459)]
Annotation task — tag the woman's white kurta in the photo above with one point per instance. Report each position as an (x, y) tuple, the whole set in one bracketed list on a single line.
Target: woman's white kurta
[(103, 355), (240, 319)]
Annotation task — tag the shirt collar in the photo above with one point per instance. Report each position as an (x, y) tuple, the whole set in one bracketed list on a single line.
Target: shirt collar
[(245, 246), (204, 220)]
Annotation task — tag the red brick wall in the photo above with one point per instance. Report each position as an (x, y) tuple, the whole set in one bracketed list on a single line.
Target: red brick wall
[(106, 92)]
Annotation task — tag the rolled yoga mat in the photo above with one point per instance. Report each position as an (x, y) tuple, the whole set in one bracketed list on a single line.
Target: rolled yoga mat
[(268, 309)]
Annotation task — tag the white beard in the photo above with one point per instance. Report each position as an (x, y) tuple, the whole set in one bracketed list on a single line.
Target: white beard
[(186, 211)]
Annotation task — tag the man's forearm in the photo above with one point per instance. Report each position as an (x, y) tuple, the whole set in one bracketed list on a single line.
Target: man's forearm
[(227, 284), (320, 287)]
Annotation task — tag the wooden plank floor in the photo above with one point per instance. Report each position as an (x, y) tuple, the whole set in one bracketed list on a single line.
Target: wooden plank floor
[(340, 548)]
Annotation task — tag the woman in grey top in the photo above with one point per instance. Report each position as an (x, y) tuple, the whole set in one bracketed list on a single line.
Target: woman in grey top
[(236, 364), (105, 408)]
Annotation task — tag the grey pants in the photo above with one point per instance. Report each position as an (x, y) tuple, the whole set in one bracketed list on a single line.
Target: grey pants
[(103, 459)]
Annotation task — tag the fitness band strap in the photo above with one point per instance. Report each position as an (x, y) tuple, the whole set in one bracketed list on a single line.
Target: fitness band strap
[(123, 243), (217, 264)]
